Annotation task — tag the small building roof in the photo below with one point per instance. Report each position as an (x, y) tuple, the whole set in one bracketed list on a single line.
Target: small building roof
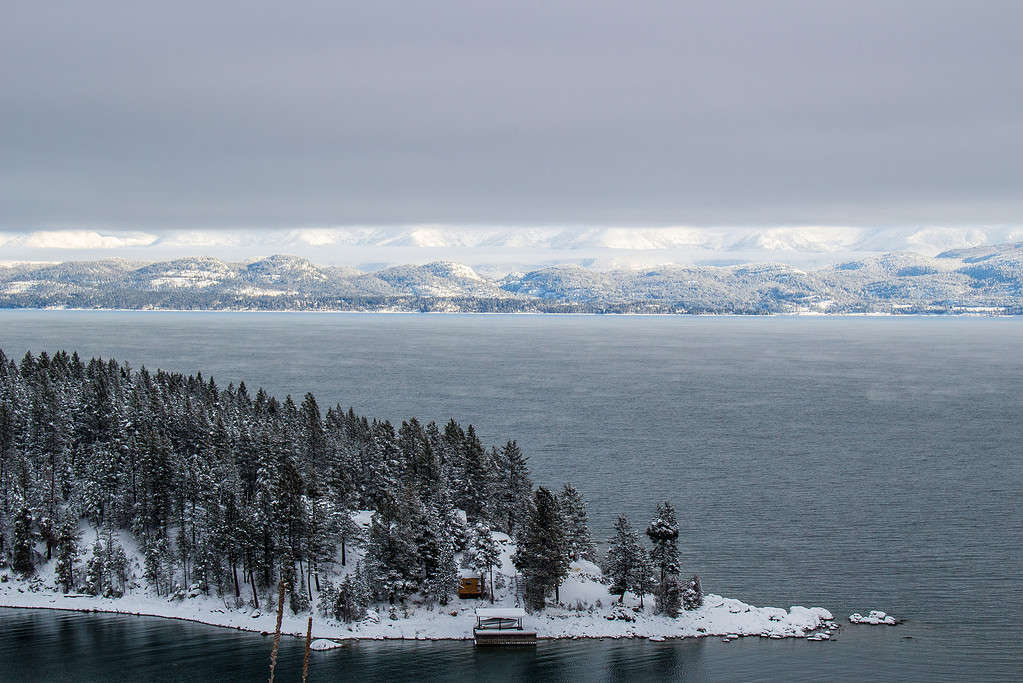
[(500, 612)]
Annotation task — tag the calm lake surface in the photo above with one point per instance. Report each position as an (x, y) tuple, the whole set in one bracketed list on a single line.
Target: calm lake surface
[(850, 463)]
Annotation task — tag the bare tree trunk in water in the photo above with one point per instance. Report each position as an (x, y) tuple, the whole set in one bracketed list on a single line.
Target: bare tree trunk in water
[(308, 640), (277, 629)]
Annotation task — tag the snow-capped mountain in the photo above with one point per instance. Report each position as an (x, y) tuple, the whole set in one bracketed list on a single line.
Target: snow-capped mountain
[(969, 279)]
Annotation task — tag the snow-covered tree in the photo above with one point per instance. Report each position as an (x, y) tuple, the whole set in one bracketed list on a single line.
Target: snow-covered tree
[(67, 552), (437, 557), (626, 562), (577, 531), (540, 555), (347, 600), (669, 596), (23, 555), (663, 534), (692, 596), (106, 571), (483, 553), (511, 488), (392, 559)]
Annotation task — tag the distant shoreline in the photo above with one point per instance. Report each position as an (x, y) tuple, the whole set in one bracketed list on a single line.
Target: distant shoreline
[(785, 314)]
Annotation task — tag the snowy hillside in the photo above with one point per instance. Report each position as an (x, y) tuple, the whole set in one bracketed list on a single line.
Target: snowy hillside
[(980, 279)]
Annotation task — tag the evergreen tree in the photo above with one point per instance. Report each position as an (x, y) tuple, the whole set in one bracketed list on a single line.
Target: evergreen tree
[(437, 557), (692, 596), (95, 570), (577, 530), (347, 607), (512, 488), (472, 481), (663, 533), (67, 552), (669, 596), (348, 533), (393, 559), (156, 558), (24, 547), (540, 555), (626, 562), (646, 582), (483, 554)]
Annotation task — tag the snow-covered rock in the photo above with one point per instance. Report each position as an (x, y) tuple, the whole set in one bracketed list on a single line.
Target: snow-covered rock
[(875, 617)]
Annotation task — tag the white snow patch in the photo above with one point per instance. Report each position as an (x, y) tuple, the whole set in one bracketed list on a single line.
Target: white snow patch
[(875, 617)]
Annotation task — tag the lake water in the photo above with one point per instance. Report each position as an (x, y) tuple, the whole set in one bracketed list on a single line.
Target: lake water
[(850, 463)]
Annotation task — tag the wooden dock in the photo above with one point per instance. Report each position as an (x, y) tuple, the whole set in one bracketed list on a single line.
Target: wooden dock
[(485, 637), (501, 626)]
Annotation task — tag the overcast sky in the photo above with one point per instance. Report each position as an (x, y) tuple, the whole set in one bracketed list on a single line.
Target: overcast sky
[(208, 115)]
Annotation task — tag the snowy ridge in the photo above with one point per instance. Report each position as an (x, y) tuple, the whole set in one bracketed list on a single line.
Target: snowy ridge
[(973, 280)]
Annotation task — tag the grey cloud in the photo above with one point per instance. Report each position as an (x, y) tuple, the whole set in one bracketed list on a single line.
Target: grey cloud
[(276, 114)]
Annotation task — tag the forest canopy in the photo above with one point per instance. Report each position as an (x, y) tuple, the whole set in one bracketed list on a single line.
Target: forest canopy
[(230, 492)]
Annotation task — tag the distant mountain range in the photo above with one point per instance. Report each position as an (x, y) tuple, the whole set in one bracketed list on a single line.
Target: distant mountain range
[(981, 279)]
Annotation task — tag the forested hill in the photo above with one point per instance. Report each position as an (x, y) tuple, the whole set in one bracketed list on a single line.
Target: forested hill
[(228, 491), (983, 279)]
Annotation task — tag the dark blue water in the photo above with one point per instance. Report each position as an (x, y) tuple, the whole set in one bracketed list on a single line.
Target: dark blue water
[(852, 463)]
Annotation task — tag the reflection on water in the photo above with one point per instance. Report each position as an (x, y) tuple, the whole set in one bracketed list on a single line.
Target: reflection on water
[(45, 645)]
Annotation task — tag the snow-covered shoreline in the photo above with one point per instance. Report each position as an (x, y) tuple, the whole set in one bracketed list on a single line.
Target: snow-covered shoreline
[(587, 609), (718, 617)]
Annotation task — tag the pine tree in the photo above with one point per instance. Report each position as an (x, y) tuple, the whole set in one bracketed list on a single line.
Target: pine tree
[(511, 487), (346, 607), (472, 483), (95, 570), (646, 582), (393, 559), (360, 584), (483, 554), (663, 533), (437, 557), (540, 556), (67, 552), (23, 543), (117, 568), (625, 562), (669, 596), (692, 596), (577, 531), (156, 558), (348, 532)]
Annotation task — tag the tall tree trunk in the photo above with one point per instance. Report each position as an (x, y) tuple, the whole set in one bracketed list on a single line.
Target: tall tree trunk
[(308, 642), (277, 628), (252, 579)]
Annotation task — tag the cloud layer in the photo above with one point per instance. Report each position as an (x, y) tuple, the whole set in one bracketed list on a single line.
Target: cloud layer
[(199, 115), (512, 246)]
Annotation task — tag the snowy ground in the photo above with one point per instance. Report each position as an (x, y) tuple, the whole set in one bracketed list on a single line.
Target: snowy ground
[(586, 610)]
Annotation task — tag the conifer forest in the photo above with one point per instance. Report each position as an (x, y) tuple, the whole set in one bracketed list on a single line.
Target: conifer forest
[(228, 492)]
